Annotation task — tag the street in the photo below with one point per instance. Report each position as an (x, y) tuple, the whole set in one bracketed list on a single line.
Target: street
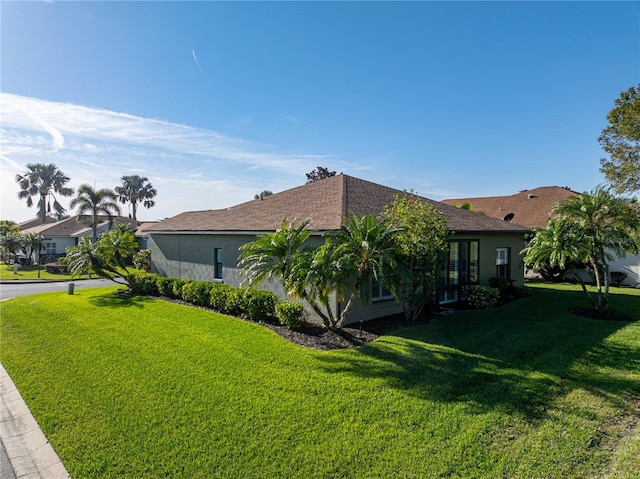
[(18, 288)]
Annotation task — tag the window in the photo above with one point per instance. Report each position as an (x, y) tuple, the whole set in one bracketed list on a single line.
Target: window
[(503, 269), (463, 267), (379, 292), (217, 269), (50, 249)]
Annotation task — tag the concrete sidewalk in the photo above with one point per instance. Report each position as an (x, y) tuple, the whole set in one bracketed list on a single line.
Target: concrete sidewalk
[(23, 444)]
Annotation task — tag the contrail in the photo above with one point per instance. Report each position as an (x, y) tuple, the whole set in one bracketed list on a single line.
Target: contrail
[(195, 59)]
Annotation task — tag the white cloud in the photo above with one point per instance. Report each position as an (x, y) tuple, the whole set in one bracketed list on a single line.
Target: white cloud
[(196, 168)]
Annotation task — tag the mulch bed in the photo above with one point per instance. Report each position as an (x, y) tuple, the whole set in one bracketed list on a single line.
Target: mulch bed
[(316, 336), (608, 316)]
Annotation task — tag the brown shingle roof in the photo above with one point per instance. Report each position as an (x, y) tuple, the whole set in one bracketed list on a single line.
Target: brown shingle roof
[(530, 208), (325, 202), (70, 226)]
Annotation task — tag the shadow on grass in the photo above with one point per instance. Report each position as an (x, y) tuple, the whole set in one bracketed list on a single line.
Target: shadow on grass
[(519, 357), (120, 299)]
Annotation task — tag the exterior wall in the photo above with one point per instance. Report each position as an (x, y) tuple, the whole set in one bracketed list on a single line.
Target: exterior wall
[(191, 256), (62, 243), (488, 245), (630, 265)]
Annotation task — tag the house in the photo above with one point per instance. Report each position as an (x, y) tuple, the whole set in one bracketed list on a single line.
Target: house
[(532, 208), (58, 235), (204, 245)]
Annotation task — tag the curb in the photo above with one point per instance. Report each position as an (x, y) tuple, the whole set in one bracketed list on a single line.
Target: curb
[(27, 448)]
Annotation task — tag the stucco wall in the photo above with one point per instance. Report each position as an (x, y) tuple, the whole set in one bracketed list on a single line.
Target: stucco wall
[(191, 256), (488, 245)]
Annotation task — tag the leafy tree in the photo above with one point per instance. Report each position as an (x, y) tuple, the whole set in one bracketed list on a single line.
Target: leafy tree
[(464, 206), (135, 189), (318, 174), (587, 229), (262, 195), (95, 203), (621, 140), (43, 181), (422, 245), (105, 258)]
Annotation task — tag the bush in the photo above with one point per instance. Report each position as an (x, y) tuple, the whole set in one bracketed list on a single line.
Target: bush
[(165, 286), (144, 284), (176, 288), (197, 292), (224, 299), (482, 297), (522, 292), (258, 304), (290, 313), (56, 268), (142, 260)]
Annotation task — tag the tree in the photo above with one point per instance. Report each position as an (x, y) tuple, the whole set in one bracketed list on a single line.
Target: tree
[(318, 174), (94, 203), (105, 258), (343, 267), (588, 229), (135, 189), (43, 181), (262, 195), (29, 244), (621, 140), (422, 245)]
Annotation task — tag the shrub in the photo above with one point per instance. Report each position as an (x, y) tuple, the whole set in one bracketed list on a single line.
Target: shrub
[(142, 260), (482, 297), (165, 286), (224, 298), (197, 292), (258, 304), (144, 284), (55, 268), (176, 289), (290, 313)]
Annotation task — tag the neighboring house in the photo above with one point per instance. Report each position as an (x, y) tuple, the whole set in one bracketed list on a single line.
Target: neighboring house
[(532, 208), (58, 235), (204, 245)]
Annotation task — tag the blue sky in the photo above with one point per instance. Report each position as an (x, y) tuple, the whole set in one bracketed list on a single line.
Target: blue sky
[(217, 101)]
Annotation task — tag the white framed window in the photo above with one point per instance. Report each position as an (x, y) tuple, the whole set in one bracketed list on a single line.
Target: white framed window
[(503, 260), (217, 268)]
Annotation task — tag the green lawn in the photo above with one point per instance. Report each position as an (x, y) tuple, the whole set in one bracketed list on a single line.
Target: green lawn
[(30, 273), (137, 387)]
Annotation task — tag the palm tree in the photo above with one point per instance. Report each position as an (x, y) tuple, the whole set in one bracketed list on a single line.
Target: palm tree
[(588, 229), (43, 180), (94, 203), (134, 190)]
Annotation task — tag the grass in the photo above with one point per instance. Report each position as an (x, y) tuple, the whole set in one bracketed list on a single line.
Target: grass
[(31, 273), (137, 387)]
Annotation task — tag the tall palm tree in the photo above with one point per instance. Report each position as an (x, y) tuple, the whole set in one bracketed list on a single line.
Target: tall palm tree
[(134, 190), (95, 203), (43, 181)]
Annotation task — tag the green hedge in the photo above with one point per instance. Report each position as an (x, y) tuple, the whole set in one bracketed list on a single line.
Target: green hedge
[(290, 313), (252, 304), (143, 284), (482, 297), (258, 305)]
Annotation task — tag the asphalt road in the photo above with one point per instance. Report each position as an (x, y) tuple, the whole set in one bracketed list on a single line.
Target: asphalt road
[(23, 288)]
